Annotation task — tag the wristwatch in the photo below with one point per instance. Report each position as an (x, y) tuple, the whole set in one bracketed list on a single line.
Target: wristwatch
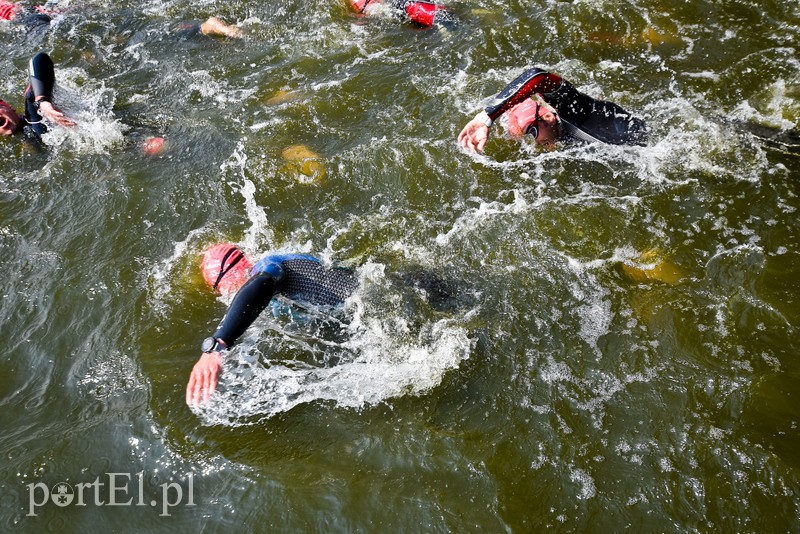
[(212, 344), (488, 122)]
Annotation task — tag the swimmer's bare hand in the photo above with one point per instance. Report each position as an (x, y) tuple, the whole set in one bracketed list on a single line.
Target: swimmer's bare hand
[(52, 113), (204, 378), (214, 26), (475, 134)]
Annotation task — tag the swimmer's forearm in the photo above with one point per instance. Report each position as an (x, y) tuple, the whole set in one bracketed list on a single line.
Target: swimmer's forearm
[(531, 81), (248, 303), (42, 76)]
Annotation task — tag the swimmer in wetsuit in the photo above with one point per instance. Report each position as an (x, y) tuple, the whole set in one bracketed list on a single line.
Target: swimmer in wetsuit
[(548, 108), (29, 16), (225, 268), (424, 14), (38, 102)]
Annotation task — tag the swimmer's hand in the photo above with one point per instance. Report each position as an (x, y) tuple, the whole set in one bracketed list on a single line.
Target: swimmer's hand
[(204, 378), (52, 113), (214, 26), (475, 134)]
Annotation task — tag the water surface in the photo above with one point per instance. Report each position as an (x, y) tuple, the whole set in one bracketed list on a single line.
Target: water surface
[(616, 346)]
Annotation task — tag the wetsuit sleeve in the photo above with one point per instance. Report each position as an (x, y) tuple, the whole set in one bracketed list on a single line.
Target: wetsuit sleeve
[(531, 81), (42, 76), (41, 80), (248, 303)]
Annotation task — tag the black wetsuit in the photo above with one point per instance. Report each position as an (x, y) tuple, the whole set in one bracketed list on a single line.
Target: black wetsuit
[(297, 276), (582, 116)]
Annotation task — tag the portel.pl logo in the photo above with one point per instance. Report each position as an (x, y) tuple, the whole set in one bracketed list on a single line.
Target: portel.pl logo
[(115, 491)]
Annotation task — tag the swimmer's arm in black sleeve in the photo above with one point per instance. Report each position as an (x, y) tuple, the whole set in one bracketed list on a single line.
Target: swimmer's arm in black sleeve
[(531, 81), (38, 96), (248, 303), (42, 76)]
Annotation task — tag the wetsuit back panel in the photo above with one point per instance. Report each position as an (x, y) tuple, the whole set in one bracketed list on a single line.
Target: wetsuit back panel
[(307, 280)]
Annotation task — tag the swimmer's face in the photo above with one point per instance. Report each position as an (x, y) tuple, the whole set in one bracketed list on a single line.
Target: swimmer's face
[(549, 126), (9, 120)]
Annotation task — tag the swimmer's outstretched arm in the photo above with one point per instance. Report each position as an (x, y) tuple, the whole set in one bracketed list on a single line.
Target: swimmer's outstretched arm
[(42, 80), (248, 303), (475, 134)]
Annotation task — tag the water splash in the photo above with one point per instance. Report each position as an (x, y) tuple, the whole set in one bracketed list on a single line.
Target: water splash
[(89, 103)]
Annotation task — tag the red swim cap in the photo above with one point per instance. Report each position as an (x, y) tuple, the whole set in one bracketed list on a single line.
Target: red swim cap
[(520, 117), (225, 268), (7, 10)]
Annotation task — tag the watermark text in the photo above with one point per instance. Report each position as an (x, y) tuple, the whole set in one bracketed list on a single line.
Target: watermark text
[(114, 490)]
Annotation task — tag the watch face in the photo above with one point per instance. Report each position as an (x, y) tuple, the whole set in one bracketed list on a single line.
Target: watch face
[(208, 344)]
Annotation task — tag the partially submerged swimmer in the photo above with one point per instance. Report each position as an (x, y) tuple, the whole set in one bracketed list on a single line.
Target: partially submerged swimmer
[(548, 108), (29, 16), (424, 14), (38, 102), (225, 268)]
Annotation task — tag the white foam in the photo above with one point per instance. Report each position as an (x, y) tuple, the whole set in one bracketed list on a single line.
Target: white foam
[(89, 104)]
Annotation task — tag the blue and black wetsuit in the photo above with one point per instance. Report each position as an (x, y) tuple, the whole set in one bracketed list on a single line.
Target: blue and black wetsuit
[(582, 116), (41, 81), (297, 276)]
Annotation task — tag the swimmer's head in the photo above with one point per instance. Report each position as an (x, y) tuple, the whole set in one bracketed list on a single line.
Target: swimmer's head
[(535, 118), (225, 268), (9, 120)]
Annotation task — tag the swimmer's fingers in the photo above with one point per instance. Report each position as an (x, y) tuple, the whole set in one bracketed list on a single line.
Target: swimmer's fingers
[(474, 135), (482, 135), (193, 387), (49, 111), (211, 379), (465, 138), (204, 378)]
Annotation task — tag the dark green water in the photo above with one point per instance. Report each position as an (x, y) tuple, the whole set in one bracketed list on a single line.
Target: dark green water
[(552, 389)]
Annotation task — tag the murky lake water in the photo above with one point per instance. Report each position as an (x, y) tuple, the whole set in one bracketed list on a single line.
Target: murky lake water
[(614, 345)]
